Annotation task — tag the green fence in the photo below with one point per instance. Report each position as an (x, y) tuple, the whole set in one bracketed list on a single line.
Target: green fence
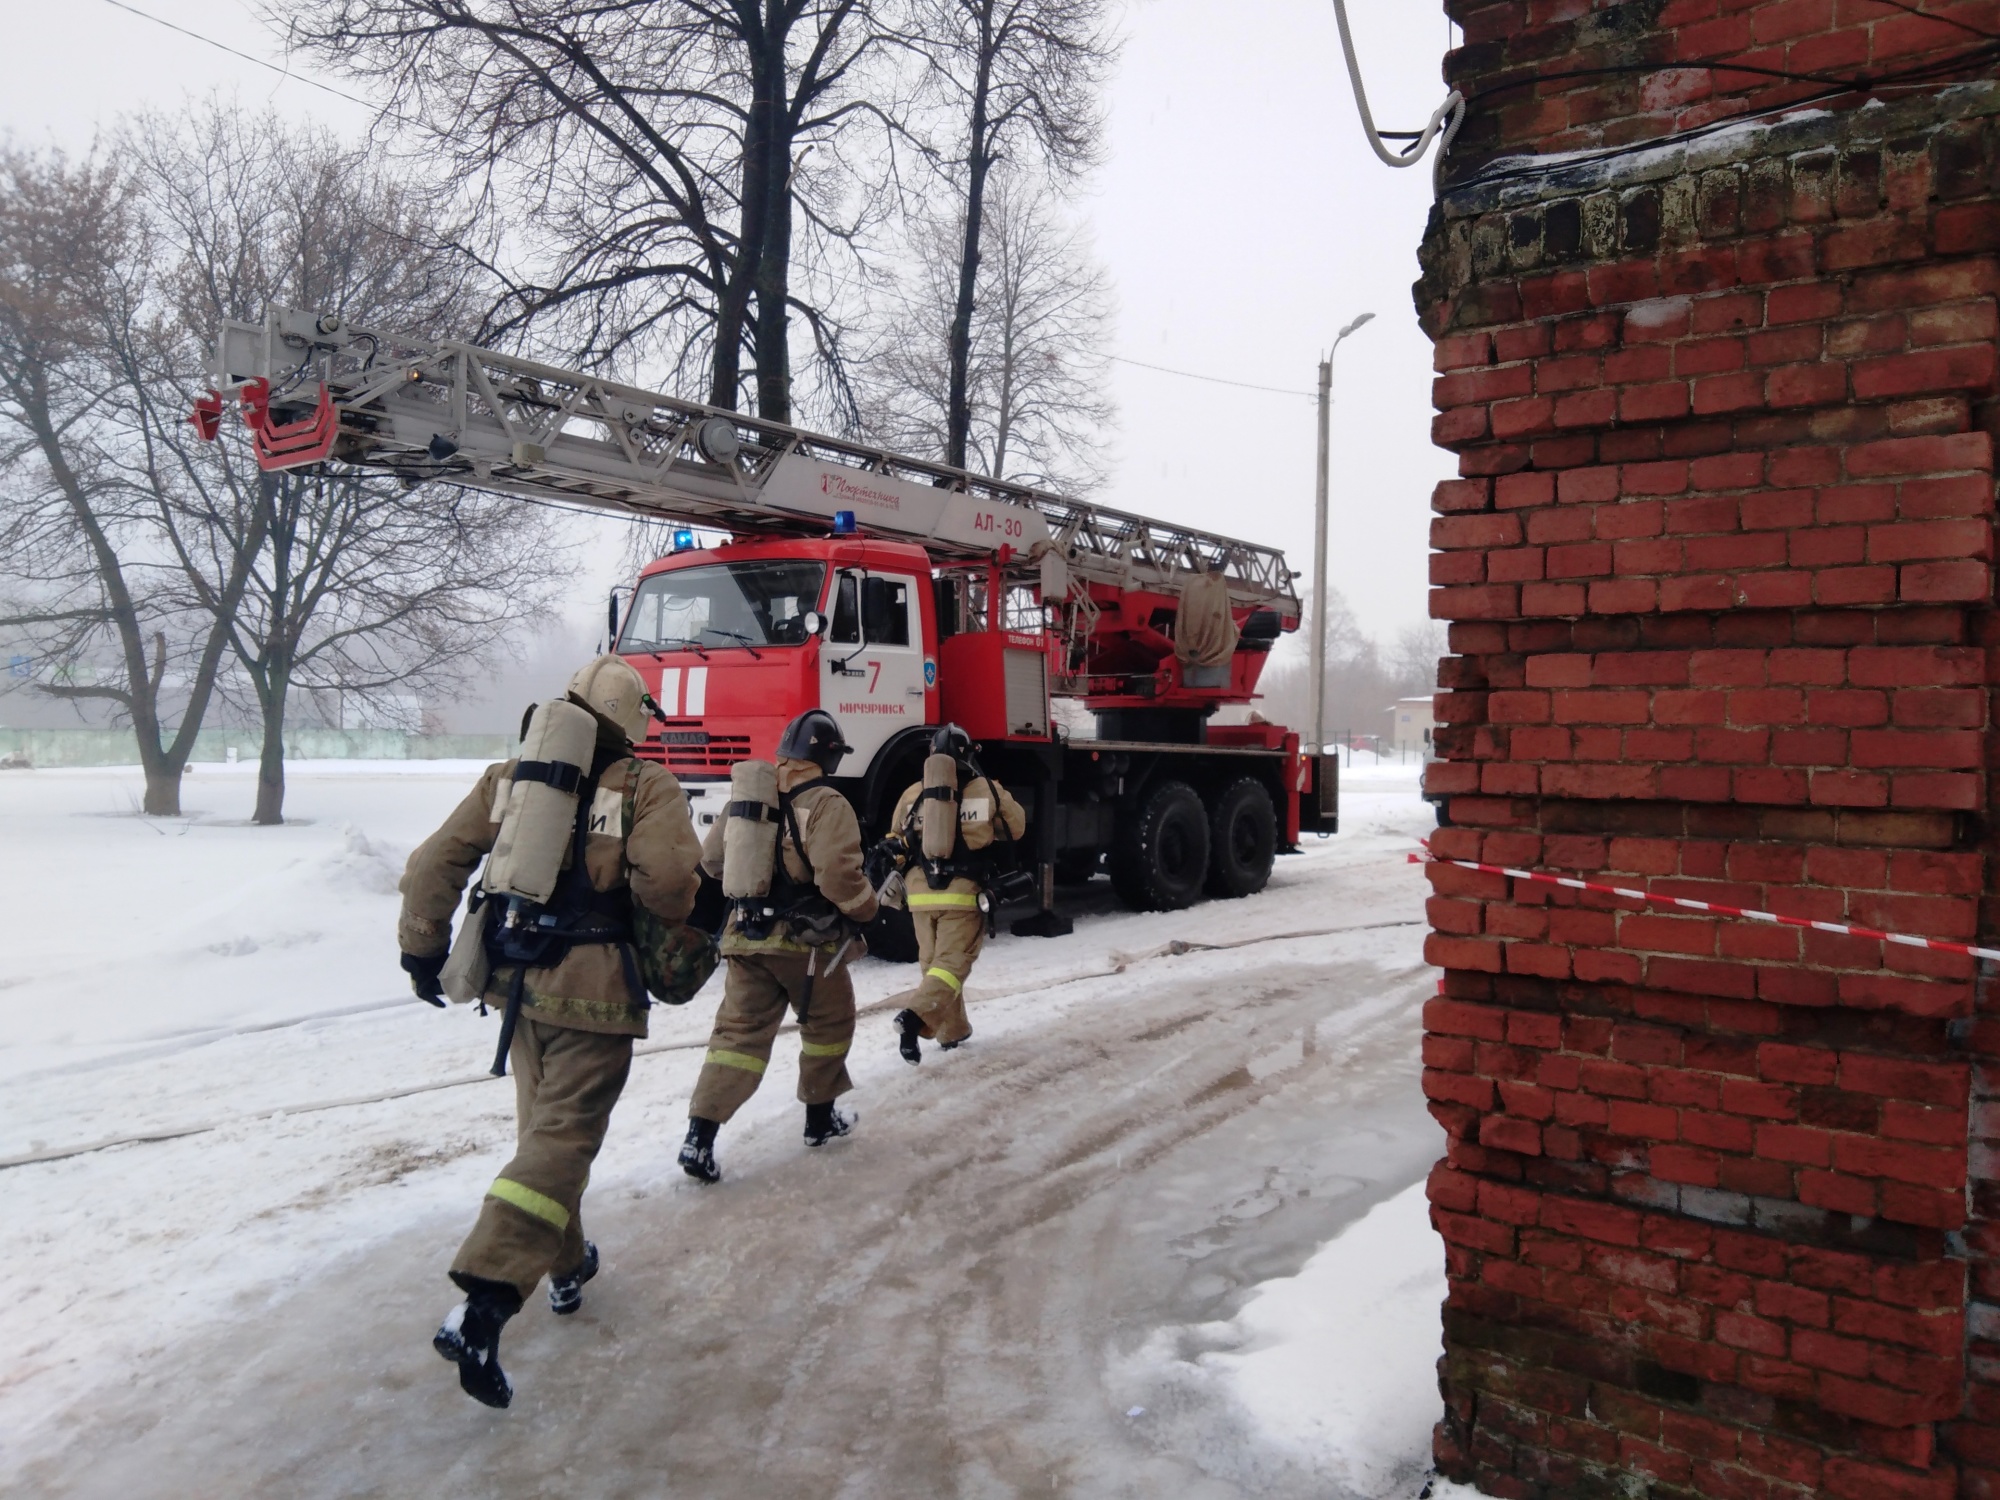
[(116, 747)]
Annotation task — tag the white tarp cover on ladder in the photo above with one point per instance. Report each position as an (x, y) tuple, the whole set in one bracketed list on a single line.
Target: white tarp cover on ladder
[(1205, 631)]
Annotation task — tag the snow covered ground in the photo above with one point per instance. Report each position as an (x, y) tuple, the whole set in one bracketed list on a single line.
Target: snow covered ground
[(1152, 1233)]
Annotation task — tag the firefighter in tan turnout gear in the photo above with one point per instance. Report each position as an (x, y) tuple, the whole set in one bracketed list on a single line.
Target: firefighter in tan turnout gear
[(575, 832), (948, 831), (788, 854)]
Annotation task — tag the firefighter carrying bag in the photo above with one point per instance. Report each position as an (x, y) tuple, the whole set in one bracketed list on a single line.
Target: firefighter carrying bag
[(469, 967), (675, 958)]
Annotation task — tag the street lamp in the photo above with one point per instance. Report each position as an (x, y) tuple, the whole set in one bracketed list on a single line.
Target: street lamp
[(1319, 540)]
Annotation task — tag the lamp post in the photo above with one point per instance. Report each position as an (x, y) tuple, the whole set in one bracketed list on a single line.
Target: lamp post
[(1319, 540)]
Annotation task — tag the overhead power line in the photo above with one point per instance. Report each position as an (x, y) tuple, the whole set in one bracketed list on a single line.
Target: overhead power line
[(1241, 385), (262, 62)]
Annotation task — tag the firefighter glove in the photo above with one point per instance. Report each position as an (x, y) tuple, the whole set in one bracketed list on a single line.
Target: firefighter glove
[(423, 974)]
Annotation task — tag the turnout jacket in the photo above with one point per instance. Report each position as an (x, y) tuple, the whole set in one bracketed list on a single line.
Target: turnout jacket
[(640, 837), (974, 834), (832, 838)]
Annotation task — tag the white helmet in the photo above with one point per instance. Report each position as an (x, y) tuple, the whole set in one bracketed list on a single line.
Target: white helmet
[(614, 690)]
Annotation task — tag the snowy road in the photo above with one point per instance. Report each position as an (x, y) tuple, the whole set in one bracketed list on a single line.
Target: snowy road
[(1023, 1242)]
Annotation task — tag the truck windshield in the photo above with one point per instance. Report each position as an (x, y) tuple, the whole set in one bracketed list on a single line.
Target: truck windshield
[(724, 604)]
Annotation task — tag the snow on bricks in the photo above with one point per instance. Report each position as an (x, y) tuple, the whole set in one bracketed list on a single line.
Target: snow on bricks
[(1721, 1199)]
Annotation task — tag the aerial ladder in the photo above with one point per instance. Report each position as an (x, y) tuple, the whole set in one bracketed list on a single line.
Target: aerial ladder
[(313, 389), (1014, 592)]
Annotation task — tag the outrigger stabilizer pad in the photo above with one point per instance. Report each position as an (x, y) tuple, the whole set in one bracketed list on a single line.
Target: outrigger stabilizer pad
[(1049, 924)]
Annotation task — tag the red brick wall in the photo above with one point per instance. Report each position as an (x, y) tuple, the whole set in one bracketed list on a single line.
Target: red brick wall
[(1719, 1199), (1512, 47)]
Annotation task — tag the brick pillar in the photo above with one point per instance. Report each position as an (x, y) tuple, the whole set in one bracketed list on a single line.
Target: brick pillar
[(1719, 1198)]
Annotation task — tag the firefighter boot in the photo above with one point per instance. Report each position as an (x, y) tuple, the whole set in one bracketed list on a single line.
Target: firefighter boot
[(470, 1338), (698, 1150), (825, 1123), (566, 1292), (909, 1026)]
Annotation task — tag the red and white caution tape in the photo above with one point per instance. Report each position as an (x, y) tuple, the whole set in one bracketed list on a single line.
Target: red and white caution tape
[(1841, 929)]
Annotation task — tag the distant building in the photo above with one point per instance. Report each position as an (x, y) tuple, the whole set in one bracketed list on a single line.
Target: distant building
[(1410, 724)]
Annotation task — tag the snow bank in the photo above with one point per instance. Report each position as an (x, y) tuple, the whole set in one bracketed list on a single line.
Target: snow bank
[(1326, 1378), (1366, 765)]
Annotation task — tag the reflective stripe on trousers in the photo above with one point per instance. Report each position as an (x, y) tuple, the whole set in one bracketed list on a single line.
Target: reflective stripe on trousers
[(529, 1201)]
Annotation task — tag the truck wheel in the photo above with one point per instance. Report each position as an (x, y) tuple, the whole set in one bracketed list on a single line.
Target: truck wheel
[(892, 936), (1242, 839), (1160, 853)]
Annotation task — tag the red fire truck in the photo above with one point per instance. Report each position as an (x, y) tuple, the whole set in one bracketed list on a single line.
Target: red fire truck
[(810, 571)]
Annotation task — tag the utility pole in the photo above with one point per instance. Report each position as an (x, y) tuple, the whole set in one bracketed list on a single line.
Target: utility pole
[(1319, 538)]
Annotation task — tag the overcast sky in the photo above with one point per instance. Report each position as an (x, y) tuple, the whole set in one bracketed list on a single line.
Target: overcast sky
[(1240, 213)]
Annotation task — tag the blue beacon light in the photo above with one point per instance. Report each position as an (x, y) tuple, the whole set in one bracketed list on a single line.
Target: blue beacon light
[(683, 540), (843, 523)]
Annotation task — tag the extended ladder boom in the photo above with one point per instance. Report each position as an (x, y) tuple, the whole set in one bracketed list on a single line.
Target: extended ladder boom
[(315, 389)]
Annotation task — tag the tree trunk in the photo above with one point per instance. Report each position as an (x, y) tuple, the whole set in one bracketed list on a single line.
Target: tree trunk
[(163, 792), (769, 260), (163, 771), (978, 162), (1003, 414), (273, 677), (774, 287), (732, 314), (271, 760)]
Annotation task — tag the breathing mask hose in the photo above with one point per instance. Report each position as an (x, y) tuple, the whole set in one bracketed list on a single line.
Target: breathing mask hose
[(511, 1016)]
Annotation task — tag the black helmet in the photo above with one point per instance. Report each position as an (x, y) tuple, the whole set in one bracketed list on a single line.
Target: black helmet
[(952, 741), (815, 736)]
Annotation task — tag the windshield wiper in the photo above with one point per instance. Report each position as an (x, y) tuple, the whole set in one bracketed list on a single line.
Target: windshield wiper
[(735, 635), (661, 647)]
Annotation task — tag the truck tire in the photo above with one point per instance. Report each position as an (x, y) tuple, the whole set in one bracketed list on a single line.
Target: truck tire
[(1160, 854), (891, 936), (1242, 840)]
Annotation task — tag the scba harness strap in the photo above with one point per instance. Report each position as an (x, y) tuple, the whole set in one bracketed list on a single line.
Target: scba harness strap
[(796, 902), (577, 914), (556, 773), (980, 865)]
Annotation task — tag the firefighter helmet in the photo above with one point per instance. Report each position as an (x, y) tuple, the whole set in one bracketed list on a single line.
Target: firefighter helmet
[(815, 736), (610, 688), (952, 741)]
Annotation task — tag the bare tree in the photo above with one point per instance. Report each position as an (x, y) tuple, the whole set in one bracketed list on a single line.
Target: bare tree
[(1021, 79), (1414, 657), (96, 556), (1361, 683), (1034, 363), (656, 169), (358, 586)]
